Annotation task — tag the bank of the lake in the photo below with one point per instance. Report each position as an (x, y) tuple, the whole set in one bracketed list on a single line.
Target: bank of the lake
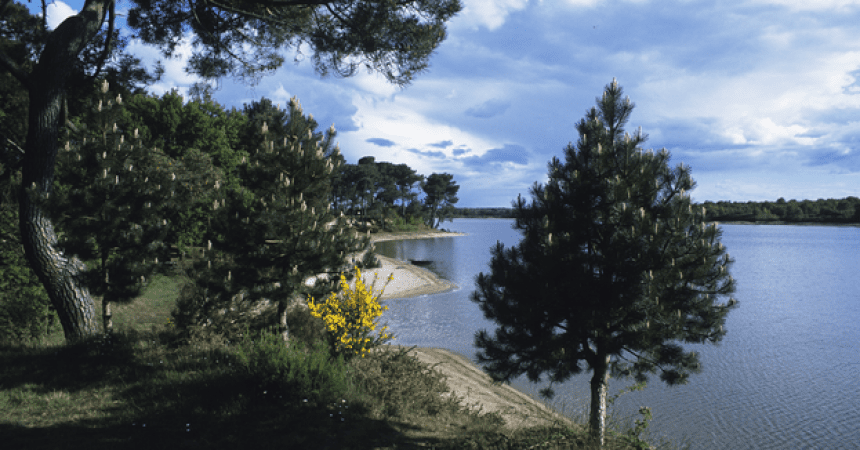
[(465, 378), (142, 389), (785, 376)]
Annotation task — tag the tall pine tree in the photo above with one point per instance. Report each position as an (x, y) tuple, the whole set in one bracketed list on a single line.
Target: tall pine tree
[(117, 198), (276, 231), (616, 268)]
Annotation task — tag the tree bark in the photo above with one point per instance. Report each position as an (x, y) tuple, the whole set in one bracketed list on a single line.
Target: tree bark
[(599, 386), (282, 322), (61, 275)]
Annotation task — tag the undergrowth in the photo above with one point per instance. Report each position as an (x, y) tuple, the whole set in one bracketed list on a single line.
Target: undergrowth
[(147, 387)]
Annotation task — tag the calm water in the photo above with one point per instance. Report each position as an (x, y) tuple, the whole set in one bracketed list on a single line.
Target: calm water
[(786, 376)]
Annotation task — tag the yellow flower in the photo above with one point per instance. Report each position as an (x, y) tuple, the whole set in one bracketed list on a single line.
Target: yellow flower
[(350, 316)]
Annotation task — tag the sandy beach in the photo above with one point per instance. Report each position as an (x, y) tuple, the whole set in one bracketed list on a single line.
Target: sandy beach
[(394, 236), (409, 280), (477, 390)]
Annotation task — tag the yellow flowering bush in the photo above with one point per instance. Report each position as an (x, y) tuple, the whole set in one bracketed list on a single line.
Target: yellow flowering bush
[(351, 316)]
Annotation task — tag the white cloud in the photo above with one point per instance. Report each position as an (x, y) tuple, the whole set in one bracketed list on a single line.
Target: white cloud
[(763, 131), (405, 123), (174, 76), (586, 3), (490, 14), (58, 12), (807, 5)]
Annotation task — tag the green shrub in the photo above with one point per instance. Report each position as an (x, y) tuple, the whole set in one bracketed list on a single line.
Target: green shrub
[(25, 310), (294, 372)]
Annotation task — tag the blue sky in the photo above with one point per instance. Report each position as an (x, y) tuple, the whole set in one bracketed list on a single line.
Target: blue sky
[(759, 97)]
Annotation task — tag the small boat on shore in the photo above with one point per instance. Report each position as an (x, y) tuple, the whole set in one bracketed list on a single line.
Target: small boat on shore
[(421, 262)]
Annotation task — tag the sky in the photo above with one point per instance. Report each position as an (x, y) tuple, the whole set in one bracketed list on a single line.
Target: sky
[(759, 97)]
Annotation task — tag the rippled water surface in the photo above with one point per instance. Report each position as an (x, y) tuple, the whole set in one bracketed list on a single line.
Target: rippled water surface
[(786, 376)]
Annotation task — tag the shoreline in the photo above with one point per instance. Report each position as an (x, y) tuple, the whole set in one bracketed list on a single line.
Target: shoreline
[(476, 390), (409, 279), (465, 379), (780, 222), (403, 235)]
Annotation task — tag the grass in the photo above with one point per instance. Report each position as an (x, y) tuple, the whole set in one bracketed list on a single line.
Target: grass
[(142, 388)]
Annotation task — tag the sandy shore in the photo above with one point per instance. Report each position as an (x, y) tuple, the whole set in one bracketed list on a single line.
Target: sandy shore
[(467, 381), (409, 280), (394, 236)]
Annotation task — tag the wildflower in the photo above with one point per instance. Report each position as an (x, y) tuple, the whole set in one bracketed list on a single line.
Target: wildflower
[(351, 317)]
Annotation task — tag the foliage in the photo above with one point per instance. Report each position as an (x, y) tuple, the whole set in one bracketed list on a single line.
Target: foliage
[(276, 230), (197, 130), (392, 38), (441, 195), (369, 190), (115, 199), (846, 210), (482, 213), (292, 371), (615, 268), (200, 395), (351, 317), (25, 310)]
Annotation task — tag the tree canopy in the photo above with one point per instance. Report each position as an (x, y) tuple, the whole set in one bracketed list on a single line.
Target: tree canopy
[(239, 38), (244, 38), (615, 268)]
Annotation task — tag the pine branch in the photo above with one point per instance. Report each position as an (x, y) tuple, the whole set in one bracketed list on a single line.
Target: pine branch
[(7, 63), (108, 38), (44, 15)]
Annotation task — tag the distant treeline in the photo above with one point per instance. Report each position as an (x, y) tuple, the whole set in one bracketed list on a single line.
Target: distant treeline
[(484, 213), (846, 210), (792, 211)]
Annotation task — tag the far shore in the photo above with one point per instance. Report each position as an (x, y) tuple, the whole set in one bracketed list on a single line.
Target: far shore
[(400, 235), (409, 280), (780, 222)]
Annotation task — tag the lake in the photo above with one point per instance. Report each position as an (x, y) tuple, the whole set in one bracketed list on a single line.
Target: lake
[(787, 374)]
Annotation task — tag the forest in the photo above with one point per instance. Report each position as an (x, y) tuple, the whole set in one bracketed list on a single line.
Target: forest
[(824, 211)]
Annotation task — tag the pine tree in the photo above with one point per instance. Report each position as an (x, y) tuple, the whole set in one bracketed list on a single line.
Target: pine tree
[(615, 269), (116, 198), (441, 195), (274, 232)]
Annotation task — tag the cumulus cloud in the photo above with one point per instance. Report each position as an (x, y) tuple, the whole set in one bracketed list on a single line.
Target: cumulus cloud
[(490, 14), (764, 131), (461, 151), (58, 12)]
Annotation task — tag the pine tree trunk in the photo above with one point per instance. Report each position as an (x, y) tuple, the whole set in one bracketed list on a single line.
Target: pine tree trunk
[(106, 315), (282, 322), (599, 386), (47, 83)]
